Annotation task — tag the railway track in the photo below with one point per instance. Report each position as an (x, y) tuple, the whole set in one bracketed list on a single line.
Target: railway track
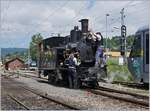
[(132, 85), (44, 96), (122, 95), (23, 74), (31, 76), (113, 93), (129, 84), (19, 102), (56, 100)]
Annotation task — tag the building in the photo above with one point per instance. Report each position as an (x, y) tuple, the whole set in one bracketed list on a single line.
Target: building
[(116, 53), (14, 64)]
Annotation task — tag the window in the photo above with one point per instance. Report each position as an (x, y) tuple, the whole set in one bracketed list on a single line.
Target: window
[(136, 47), (147, 48)]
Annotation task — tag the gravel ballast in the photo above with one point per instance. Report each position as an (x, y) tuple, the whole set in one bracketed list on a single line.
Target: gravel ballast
[(14, 92), (84, 99)]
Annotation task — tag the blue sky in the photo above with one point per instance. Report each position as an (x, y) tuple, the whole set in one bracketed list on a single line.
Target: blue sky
[(21, 19)]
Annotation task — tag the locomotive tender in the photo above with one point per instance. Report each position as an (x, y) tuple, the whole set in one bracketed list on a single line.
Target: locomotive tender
[(51, 56)]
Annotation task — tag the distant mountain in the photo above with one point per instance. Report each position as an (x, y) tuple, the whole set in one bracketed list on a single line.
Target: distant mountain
[(6, 51)]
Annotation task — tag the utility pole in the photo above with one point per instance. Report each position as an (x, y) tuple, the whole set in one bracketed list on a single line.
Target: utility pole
[(0, 57), (106, 32), (123, 37), (122, 16), (28, 58), (0, 54)]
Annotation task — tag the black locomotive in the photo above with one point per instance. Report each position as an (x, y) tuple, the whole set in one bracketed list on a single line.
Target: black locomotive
[(52, 56)]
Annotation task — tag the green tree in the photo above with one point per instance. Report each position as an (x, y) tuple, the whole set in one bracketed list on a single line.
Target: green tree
[(114, 42), (36, 39), (130, 40)]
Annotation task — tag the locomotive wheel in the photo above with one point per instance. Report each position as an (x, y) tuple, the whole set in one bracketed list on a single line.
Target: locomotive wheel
[(39, 73), (51, 79), (94, 84), (79, 83)]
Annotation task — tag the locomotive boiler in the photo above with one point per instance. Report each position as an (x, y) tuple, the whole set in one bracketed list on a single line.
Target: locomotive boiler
[(51, 55)]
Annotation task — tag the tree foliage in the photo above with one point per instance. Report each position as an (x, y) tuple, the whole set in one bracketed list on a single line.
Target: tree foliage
[(114, 42), (36, 39)]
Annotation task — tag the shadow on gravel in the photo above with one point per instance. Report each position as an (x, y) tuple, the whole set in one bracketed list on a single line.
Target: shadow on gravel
[(64, 85), (54, 84)]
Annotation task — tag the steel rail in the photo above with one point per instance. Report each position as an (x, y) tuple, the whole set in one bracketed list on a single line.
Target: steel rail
[(130, 84), (133, 85), (101, 88), (105, 92), (46, 96), (121, 97), (123, 92), (127, 83), (28, 76), (19, 102), (23, 74)]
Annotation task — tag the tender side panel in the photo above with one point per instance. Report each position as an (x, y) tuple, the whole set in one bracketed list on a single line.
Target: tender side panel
[(48, 59)]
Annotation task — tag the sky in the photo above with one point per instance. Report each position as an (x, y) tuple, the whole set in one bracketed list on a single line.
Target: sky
[(20, 19)]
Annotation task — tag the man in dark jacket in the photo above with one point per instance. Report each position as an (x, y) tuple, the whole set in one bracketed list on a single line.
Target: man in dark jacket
[(72, 76)]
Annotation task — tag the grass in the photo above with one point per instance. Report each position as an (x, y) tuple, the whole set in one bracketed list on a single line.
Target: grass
[(118, 72)]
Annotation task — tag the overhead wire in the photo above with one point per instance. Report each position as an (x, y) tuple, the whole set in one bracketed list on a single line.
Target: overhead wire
[(80, 10), (53, 13), (75, 17), (59, 8), (128, 5), (77, 14), (4, 12), (112, 11)]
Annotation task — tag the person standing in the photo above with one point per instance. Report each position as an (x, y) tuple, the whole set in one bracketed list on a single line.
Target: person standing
[(72, 76), (104, 63), (99, 56), (100, 63)]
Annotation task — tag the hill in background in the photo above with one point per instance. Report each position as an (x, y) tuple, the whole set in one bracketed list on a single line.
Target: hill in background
[(10, 51)]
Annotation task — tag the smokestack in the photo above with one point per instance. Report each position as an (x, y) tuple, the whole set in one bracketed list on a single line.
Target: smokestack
[(84, 25)]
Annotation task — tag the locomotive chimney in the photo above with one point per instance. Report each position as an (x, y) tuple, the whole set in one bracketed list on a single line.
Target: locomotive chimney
[(84, 25)]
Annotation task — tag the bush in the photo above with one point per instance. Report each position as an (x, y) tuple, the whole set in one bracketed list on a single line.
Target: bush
[(118, 72)]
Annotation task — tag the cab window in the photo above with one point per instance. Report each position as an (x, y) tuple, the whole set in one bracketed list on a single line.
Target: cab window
[(147, 48), (136, 47)]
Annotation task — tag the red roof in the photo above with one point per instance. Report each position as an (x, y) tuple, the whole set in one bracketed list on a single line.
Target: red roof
[(14, 60)]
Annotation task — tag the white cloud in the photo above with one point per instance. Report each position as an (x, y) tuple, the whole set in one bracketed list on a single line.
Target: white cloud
[(21, 19)]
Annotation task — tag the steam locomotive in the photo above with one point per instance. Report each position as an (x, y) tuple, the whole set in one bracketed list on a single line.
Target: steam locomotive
[(51, 56)]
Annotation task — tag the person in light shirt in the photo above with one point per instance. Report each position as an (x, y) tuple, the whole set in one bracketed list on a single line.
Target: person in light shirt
[(72, 76)]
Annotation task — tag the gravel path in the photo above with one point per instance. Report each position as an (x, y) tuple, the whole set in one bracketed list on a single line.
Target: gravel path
[(79, 97)]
